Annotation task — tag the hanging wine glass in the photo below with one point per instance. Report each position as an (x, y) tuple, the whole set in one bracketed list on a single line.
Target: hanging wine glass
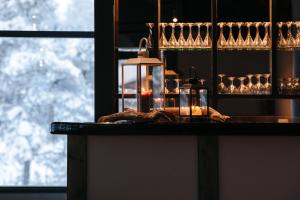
[(199, 40), (257, 40), (242, 89), (250, 84), (258, 85), (222, 40), (190, 40), (298, 34), (249, 40), (263, 89), (266, 42), (207, 39), (232, 88), (209, 36), (167, 91), (290, 38), (163, 42), (150, 27), (202, 82), (289, 85), (281, 40), (296, 85), (268, 85), (221, 86), (282, 86), (177, 80), (240, 40), (173, 41), (285, 86), (181, 39), (231, 40)]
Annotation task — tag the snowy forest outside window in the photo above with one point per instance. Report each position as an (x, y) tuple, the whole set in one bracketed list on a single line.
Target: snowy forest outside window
[(42, 80)]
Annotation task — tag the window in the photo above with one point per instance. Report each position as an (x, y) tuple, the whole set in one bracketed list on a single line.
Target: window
[(47, 15), (45, 76)]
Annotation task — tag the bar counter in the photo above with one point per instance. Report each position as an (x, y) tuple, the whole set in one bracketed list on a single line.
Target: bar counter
[(239, 125), (244, 158)]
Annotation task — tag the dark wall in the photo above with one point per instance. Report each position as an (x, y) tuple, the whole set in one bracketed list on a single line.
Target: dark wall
[(142, 167), (261, 168)]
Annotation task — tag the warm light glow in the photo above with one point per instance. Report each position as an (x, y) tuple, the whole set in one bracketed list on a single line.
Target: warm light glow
[(158, 103), (146, 92), (175, 20), (158, 100), (196, 110)]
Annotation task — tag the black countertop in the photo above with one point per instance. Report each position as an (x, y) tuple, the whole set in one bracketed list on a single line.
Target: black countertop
[(267, 125)]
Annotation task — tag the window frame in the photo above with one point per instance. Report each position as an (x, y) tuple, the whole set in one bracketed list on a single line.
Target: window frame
[(32, 189), (49, 34)]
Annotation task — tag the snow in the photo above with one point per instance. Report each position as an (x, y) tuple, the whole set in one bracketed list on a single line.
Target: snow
[(47, 15), (42, 80)]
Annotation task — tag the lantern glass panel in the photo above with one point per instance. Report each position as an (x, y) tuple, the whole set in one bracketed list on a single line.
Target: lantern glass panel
[(145, 82), (184, 101), (130, 79), (195, 99), (130, 103), (199, 102), (129, 86), (158, 87), (203, 98), (152, 86)]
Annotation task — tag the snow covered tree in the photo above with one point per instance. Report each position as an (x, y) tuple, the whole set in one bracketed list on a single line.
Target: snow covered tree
[(42, 80)]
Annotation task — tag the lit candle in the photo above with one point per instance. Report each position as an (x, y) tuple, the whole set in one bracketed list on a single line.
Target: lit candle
[(146, 92), (196, 110), (145, 100)]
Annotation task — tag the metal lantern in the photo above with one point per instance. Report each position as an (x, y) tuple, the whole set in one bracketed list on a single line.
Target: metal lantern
[(194, 102), (143, 82)]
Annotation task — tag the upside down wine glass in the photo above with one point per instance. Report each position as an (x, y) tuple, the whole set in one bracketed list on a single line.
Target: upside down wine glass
[(167, 91), (163, 40), (207, 39), (296, 85), (290, 39), (199, 40), (240, 40), (150, 27), (242, 88), (257, 40), (221, 85), (177, 80), (181, 39), (250, 84), (266, 42), (232, 88), (268, 86), (281, 40), (222, 40), (249, 40), (190, 40), (173, 41), (231, 40), (258, 85), (298, 34), (202, 81)]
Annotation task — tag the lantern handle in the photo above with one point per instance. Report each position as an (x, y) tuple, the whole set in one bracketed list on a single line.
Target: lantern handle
[(141, 42), (143, 54)]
